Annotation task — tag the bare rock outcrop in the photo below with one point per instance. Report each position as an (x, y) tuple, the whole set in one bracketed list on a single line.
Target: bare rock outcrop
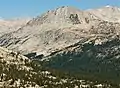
[(60, 28)]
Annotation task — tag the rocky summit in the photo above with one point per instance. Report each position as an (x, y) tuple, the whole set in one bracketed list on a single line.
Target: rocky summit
[(60, 28), (62, 48)]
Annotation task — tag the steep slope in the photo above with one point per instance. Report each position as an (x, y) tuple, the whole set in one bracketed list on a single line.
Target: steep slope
[(107, 13), (60, 28), (101, 61), (7, 26), (80, 42), (18, 71), (48, 39), (51, 31), (61, 15)]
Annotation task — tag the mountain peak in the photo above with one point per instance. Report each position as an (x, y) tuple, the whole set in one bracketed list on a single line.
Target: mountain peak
[(112, 7), (66, 7), (108, 6), (58, 15)]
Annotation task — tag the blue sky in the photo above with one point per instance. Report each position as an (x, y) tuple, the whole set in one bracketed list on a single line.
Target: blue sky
[(30, 8)]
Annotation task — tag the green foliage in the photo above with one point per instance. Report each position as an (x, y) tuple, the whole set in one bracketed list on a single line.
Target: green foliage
[(97, 62)]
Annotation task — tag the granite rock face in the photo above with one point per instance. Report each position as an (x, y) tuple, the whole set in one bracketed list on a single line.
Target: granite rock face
[(85, 42), (60, 28)]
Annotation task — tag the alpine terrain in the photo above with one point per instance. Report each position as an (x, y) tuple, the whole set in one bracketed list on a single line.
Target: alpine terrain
[(62, 48)]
